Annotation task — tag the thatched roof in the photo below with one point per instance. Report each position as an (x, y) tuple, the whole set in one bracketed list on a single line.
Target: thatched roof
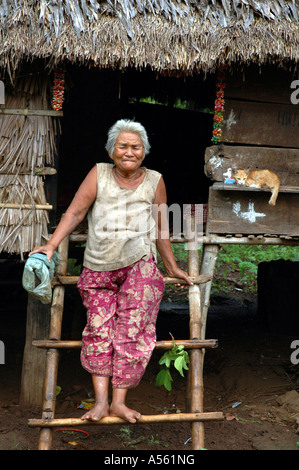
[(179, 35)]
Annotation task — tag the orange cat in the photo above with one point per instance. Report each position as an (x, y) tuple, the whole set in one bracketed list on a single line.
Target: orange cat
[(259, 179)]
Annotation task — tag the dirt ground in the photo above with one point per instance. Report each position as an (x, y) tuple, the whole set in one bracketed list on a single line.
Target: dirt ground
[(249, 377)]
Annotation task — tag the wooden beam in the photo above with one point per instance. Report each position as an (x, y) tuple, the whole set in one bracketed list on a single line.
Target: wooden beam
[(31, 112), (214, 239), (8, 205), (238, 187), (173, 418), (46, 171)]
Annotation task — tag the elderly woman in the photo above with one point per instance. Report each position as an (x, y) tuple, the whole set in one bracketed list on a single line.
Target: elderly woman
[(120, 285)]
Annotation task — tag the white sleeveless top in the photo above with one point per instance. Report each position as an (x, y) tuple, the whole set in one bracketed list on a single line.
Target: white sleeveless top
[(121, 227)]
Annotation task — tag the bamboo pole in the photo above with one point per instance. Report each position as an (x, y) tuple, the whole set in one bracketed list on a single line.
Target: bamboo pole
[(188, 344), (173, 418), (209, 259), (49, 402), (8, 205), (70, 280), (195, 376)]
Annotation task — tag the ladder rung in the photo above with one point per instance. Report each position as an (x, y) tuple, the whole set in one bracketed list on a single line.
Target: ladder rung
[(71, 280), (175, 418), (188, 344)]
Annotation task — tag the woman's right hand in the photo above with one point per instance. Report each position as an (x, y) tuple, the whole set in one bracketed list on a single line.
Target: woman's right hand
[(48, 250)]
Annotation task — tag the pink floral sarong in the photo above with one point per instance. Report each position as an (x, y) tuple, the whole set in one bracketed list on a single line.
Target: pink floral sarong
[(122, 308)]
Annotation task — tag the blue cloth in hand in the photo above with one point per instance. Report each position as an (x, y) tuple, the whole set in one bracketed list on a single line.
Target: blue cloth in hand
[(38, 266)]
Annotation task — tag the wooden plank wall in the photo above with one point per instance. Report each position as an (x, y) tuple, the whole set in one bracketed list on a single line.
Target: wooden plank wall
[(284, 162), (252, 123), (260, 130)]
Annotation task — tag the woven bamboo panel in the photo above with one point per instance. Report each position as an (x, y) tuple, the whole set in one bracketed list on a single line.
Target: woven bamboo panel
[(27, 145)]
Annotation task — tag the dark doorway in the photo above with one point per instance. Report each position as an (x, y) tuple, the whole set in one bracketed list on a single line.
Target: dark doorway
[(95, 99)]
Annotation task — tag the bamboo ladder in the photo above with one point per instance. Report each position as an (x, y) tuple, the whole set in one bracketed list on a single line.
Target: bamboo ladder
[(197, 345)]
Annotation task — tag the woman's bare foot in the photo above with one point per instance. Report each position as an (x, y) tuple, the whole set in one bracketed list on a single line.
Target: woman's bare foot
[(118, 406), (101, 407), (122, 411), (97, 412)]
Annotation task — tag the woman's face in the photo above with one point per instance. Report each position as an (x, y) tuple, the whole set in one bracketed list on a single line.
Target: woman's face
[(128, 152)]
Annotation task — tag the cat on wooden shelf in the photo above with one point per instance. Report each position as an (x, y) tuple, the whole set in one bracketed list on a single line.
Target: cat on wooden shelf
[(259, 179)]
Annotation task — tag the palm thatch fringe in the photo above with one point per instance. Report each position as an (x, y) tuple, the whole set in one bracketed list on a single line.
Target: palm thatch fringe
[(27, 144), (187, 36), (52, 14)]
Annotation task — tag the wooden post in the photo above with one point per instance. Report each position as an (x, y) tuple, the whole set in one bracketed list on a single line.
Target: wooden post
[(49, 402), (195, 375), (34, 360), (50, 185)]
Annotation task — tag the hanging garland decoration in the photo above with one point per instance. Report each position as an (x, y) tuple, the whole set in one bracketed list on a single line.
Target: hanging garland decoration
[(219, 106), (58, 90)]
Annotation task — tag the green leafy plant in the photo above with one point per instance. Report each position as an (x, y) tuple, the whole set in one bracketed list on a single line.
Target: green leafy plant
[(177, 357), (72, 268)]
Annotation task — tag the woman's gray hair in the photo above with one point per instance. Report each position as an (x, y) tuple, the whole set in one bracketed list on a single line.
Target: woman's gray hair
[(125, 125)]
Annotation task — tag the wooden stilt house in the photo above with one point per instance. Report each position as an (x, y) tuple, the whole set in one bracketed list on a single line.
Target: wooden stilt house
[(259, 131), (137, 44)]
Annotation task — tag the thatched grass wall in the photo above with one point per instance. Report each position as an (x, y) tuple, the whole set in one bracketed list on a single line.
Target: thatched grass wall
[(27, 146)]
